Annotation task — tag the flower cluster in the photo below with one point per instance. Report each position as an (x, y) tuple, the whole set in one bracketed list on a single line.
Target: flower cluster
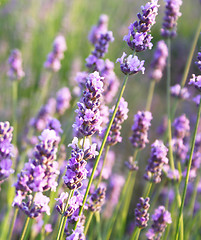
[(6, 149), (88, 120), (15, 61), (39, 174), (76, 169), (141, 213), (178, 92), (196, 81), (97, 199), (115, 135), (160, 219), (139, 37), (142, 122), (181, 126), (198, 62), (159, 61), (130, 65), (170, 19), (156, 162), (54, 58), (63, 100)]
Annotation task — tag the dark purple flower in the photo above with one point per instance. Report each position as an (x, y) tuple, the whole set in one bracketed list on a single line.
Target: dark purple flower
[(156, 162), (178, 92), (141, 213), (54, 58), (6, 150), (198, 62), (15, 61), (63, 100), (170, 19), (160, 219), (131, 165), (159, 61), (130, 65), (97, 199), (139, 37), (196, 81), (142, 122)]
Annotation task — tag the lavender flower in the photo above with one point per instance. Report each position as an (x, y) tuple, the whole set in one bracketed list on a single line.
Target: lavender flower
[(142, 122), (88, 120), (15, 61), (131, 165), (141, 213), (196, 81), (63, 100), (139, 37), (170, 19), (160, 219), (54, 58), (130, 65), (157, 160), (78, 234), (97, 199), (76, 169), (6, 150), (198, 63), (178, 92), (181, 127), (121, 115), (159, 61), (96, 31)]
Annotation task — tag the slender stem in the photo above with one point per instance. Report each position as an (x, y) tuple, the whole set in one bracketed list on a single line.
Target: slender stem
[(148, 189), (97, 215), (150, 95), (88, 223), (13, 223), (14, 117), (187, 173), (104, 161), (25, 228), (64, 218), (102, 147)]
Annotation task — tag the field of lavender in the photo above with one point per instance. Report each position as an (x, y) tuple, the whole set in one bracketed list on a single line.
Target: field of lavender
[(100, 131)]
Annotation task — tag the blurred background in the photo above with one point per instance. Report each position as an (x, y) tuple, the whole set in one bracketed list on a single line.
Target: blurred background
[(31, 26)]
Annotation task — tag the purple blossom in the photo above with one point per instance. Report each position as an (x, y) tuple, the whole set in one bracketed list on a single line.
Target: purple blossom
[(142, 122), (130, 65), (156, 162), (139, 37), (170, 19), (197, 99), (78, 234), (141, 213), (198, 62), (115, 135), (88, 120), (60, 202), (63, 100), (160, 219), (131, 165), (97, 199), (15, 61), (178, 92), (159, 61), (181, 127), (54, 58), (6, 150), (196, 81)]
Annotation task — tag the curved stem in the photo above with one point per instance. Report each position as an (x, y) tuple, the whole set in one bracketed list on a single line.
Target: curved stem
[(88, 223), (102, 146), (187, 173)]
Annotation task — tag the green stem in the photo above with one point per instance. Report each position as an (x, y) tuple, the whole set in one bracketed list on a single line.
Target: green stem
[(136, 234), (150, 95), (25, 228), (97, 215), (64, 218), (104, 161), (88, 223), (102, 146), (14, 117), (187, 173), (148, 189), (12, 223)]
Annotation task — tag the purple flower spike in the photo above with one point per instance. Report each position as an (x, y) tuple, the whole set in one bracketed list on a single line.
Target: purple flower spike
[(181, 127), (15, 61), (130, 65), (156, 162), (159, 61), (54, 58), (160, 219), (142, 122), (178, 92), (139, 37), (141, 213), (88, 120), (78, 234), (6, 150), (170, 19), (198, 62), (97, 199), (196, 81), (63, 100)]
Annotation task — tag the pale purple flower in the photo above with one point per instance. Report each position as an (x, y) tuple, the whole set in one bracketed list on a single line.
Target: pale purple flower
[(63, 100), (181, 126), (196, 81), (130, 65), (15, 61), (141, 213), (198, 62), (197, 99), (178, 92), (170, 19), (78, 234)]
